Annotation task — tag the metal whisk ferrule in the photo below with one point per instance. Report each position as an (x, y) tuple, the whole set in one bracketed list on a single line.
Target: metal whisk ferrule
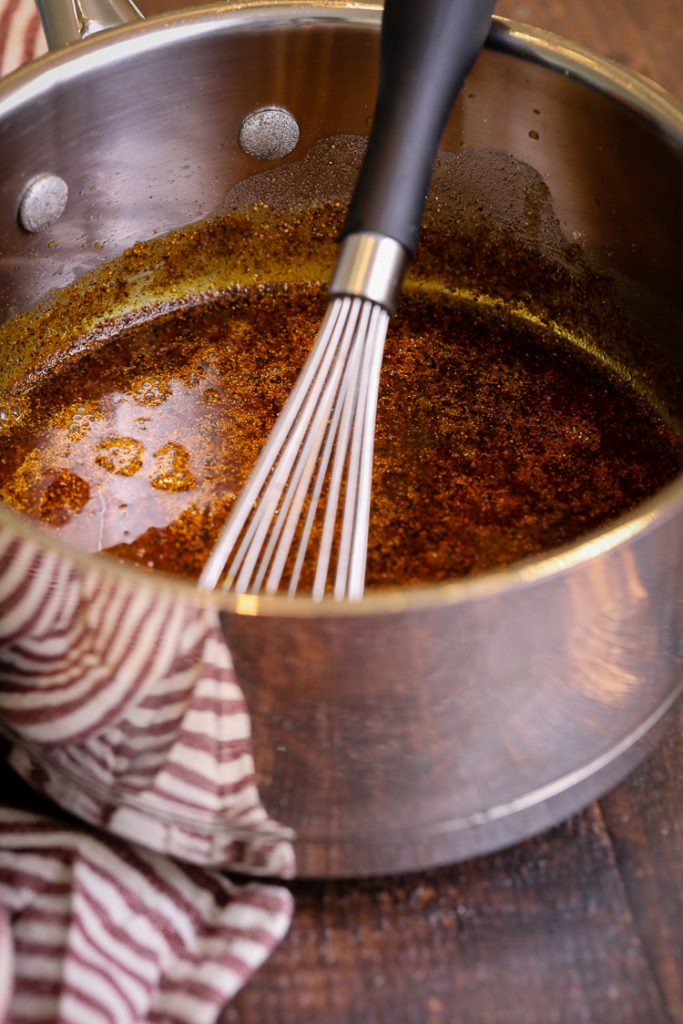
[(371, 267)]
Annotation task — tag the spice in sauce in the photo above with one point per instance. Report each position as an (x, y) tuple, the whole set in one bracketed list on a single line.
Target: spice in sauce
[(496, 438)]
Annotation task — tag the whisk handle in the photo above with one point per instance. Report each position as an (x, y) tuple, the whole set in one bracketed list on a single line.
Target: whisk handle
[(427, 49)]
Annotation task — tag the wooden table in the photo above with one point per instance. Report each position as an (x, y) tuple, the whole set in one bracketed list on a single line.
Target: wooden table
[(643, 34), (584, 924)]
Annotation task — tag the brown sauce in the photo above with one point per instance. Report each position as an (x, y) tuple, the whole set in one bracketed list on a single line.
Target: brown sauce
[(496, 440)]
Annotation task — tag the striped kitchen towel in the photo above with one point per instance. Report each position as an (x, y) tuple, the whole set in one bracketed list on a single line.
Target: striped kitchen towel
[(122, 702), (21, 35), (108, 933), (132, 719)]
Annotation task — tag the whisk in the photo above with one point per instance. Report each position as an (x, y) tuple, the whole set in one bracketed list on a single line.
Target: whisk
[(308, 495)]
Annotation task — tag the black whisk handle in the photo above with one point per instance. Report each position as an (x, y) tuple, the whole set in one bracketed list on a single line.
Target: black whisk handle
[(427, 49)]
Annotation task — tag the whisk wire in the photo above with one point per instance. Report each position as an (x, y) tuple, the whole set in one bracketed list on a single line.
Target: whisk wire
[(323, 419), (321, 477), (318, 455), (354, 582), (348, 399), (317, 390), (245, 504), (364, 347)]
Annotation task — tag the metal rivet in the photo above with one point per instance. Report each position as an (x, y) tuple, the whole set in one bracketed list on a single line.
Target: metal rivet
[(42, 202), (269, 133)]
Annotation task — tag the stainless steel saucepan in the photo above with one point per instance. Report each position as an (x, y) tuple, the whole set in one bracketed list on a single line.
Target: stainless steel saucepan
[(421, 725)]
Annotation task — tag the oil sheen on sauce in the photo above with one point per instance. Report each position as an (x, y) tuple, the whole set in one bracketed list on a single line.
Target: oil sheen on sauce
[(496, 440)]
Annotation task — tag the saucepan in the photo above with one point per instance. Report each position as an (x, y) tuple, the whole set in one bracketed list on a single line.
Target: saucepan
[(420, 725)]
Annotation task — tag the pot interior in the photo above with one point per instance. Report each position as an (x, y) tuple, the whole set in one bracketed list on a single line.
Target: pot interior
[(574, 230)]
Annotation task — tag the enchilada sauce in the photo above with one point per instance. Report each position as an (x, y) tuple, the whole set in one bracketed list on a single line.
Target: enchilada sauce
[(496, 439)]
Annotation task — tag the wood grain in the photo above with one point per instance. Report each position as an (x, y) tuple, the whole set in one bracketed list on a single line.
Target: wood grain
[(644, 821), (644, 36), (540, 934), (580, 925)]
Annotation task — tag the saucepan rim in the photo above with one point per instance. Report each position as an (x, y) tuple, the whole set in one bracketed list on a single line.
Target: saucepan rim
[(537, 46)]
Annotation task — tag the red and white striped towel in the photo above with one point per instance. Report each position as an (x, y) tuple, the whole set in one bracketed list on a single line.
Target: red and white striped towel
[(125, 709), (107, 933), (21, 35), (128, 714)]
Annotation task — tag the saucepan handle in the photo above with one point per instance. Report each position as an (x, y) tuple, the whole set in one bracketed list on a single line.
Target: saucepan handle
[(68, 21)]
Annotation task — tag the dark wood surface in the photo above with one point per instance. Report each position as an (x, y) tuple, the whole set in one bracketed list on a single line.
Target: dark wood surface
[(584, 924), (646, 35)]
